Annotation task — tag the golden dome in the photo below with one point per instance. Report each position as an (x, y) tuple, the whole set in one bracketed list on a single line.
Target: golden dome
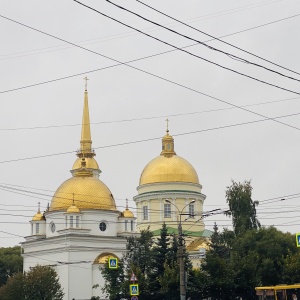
[(91, 163), (128, 213), (169, 169), (73, 209), (88, 193), (38, 217)]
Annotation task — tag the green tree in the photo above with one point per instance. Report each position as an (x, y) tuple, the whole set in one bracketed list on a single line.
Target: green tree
[(217, 268), (14, 288), (242, 208), (115, 285), (162, 250), (11, 262), (40, 283)]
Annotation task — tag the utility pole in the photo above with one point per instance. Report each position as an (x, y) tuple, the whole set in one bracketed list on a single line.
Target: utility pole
[(181, 262), (180, 250)]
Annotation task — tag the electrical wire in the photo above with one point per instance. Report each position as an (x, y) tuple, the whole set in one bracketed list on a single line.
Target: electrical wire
[(185, 51), (203, 44), (149, 56), (215, 38), (149, 118), (158, 138)]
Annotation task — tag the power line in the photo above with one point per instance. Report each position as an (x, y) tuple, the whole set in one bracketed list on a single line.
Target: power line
[(185, 51), (158, 138), (203, 44), (146, 72), (215, 38), (148, 118), (130, 33), (149, 56)]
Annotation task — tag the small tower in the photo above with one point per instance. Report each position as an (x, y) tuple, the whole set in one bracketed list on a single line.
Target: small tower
[(127, 220), (38, 224)]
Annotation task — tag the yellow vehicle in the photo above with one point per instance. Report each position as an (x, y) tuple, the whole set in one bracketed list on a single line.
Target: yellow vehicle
[(278, 292)]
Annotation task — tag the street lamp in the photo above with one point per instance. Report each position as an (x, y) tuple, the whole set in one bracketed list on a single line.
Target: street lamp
[(180, 249)]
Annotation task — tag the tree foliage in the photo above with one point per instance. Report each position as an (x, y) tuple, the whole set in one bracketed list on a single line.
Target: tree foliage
[(241, 207), (11, 262), (40, 283)]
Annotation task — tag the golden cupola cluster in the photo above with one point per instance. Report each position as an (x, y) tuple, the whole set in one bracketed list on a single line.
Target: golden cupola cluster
[(168, 167), (84, 190)]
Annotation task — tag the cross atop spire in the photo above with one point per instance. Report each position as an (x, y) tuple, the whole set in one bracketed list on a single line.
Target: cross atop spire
[(39, 207), (86, 80)]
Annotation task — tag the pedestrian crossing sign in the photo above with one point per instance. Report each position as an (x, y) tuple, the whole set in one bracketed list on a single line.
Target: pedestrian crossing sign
[(113, 263), (298, 239), (134, 289)]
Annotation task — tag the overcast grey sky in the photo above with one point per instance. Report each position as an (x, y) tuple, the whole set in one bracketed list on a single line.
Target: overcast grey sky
[(267, 153)]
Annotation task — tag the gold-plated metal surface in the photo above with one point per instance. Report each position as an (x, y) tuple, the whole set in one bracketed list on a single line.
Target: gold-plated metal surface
[(128, 213), (91, 163), (73, 209), (197, 244), (89, 193), (38, 216), (103, 258), (169, 169)]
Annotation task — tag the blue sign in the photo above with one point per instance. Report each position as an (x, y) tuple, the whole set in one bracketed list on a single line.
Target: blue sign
[(134, 298), (134, 289), (298, 239), (113, 263)]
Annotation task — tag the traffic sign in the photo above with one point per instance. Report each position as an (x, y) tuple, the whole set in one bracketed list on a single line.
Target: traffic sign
[(298, 239), (134, 289), (113, 263), (134, 298), (133, 278)]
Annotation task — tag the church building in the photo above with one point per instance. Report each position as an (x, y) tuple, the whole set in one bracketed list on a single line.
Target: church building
[(82, 226)]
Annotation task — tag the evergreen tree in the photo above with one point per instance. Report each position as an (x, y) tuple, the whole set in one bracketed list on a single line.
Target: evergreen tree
[(162, 250)]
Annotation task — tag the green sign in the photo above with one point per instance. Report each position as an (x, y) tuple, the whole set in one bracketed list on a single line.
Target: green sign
[(113, 263), (134, 289)]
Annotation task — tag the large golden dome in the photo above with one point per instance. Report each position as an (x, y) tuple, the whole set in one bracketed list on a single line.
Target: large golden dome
[(88, 193), (168, 167)]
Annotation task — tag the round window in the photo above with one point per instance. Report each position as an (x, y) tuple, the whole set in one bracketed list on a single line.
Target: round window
[(52, 227), (102, 226)]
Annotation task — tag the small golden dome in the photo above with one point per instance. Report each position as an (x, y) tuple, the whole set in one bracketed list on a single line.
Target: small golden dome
[(169, 169), (73, 209), (128, 213), (91, 163), (38, 217), (88, 193)]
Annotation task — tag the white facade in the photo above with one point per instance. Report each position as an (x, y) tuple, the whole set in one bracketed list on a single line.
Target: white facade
[(74, 252)]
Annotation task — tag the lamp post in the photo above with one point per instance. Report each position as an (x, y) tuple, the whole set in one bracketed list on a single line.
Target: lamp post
[(180, 249)]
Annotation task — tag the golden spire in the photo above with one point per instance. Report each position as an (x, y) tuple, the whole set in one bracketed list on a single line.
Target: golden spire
[(86, 140), (167, 143)]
